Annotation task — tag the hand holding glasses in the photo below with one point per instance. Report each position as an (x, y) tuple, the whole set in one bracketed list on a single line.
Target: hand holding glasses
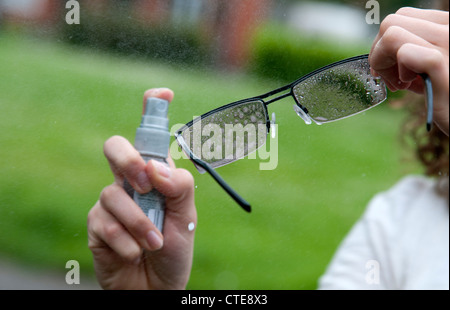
[(329, 94)]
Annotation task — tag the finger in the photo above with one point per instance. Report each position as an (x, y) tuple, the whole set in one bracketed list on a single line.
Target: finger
[(115, 200), (105, 232), (169, 181), (161, 93), (177, 185), (435, 16), (126, 163), (432, 62), (417, 85), (424, 23), (420, 59), (384, 59), (384, 54), (425, 29), (170, 161)]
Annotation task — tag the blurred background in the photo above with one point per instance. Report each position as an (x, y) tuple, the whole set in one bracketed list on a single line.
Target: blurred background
[(66, 88)]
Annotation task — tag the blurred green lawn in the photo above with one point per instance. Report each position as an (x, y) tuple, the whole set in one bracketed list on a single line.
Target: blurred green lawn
[(59, 104)]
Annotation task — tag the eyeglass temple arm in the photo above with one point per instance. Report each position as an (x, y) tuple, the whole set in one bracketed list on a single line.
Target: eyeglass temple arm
[(429, 98), (241, 201)]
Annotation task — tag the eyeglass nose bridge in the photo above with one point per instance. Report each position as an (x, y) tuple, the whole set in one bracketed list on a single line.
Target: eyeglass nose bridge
[(303, 115)]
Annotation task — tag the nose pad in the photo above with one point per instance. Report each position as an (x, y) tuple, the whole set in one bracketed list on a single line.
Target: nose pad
[(302, 114), (272, 126)]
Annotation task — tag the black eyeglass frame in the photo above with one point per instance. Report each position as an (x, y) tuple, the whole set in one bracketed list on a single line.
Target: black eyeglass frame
[(236, 197)]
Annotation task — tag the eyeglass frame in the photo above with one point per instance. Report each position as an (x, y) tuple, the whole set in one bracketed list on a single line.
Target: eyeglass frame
[(236, 197)]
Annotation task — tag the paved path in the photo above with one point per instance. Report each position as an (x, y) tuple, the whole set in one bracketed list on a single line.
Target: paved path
[(17, 277)]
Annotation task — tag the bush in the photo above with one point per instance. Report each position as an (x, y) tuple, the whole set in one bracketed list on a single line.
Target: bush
[(115, 33), (283, 54)]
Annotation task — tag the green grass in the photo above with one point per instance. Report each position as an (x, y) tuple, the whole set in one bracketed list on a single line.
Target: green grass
[(59, 104)]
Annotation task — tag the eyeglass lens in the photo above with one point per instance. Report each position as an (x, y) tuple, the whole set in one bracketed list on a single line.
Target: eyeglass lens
[(340, 91), (228, 134)]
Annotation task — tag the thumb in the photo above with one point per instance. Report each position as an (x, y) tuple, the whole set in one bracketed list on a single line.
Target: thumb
[(177, 185)]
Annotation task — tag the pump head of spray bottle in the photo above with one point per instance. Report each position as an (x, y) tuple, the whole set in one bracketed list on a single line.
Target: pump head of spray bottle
[(153, 136)]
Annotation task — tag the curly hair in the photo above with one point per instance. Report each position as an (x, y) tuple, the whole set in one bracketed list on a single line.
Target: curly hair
[(432, 148)]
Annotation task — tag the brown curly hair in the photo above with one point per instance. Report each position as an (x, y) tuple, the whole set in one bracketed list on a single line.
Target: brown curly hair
[(431, 148)]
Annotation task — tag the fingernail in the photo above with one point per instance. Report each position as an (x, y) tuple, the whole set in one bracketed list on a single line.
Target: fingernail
[(163, 170), (154, 91), (143, 182), (154, 241)]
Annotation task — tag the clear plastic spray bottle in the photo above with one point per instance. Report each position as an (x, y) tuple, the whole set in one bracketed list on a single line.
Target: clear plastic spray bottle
[(152, 142)]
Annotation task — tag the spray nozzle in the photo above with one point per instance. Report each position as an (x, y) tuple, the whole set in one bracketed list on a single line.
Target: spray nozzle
[(156, 107), (155, 114), (153, 137)]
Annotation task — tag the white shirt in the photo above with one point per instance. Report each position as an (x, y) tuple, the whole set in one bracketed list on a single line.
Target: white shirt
[(401, 242)]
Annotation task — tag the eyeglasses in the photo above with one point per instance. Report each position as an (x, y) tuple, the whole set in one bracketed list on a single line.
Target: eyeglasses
[(233, 131)]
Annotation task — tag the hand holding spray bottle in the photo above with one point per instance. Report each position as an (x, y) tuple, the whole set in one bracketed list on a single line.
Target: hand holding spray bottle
[(152, 142)]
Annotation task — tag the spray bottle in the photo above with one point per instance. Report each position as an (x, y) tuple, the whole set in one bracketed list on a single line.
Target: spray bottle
[(152, 142)]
